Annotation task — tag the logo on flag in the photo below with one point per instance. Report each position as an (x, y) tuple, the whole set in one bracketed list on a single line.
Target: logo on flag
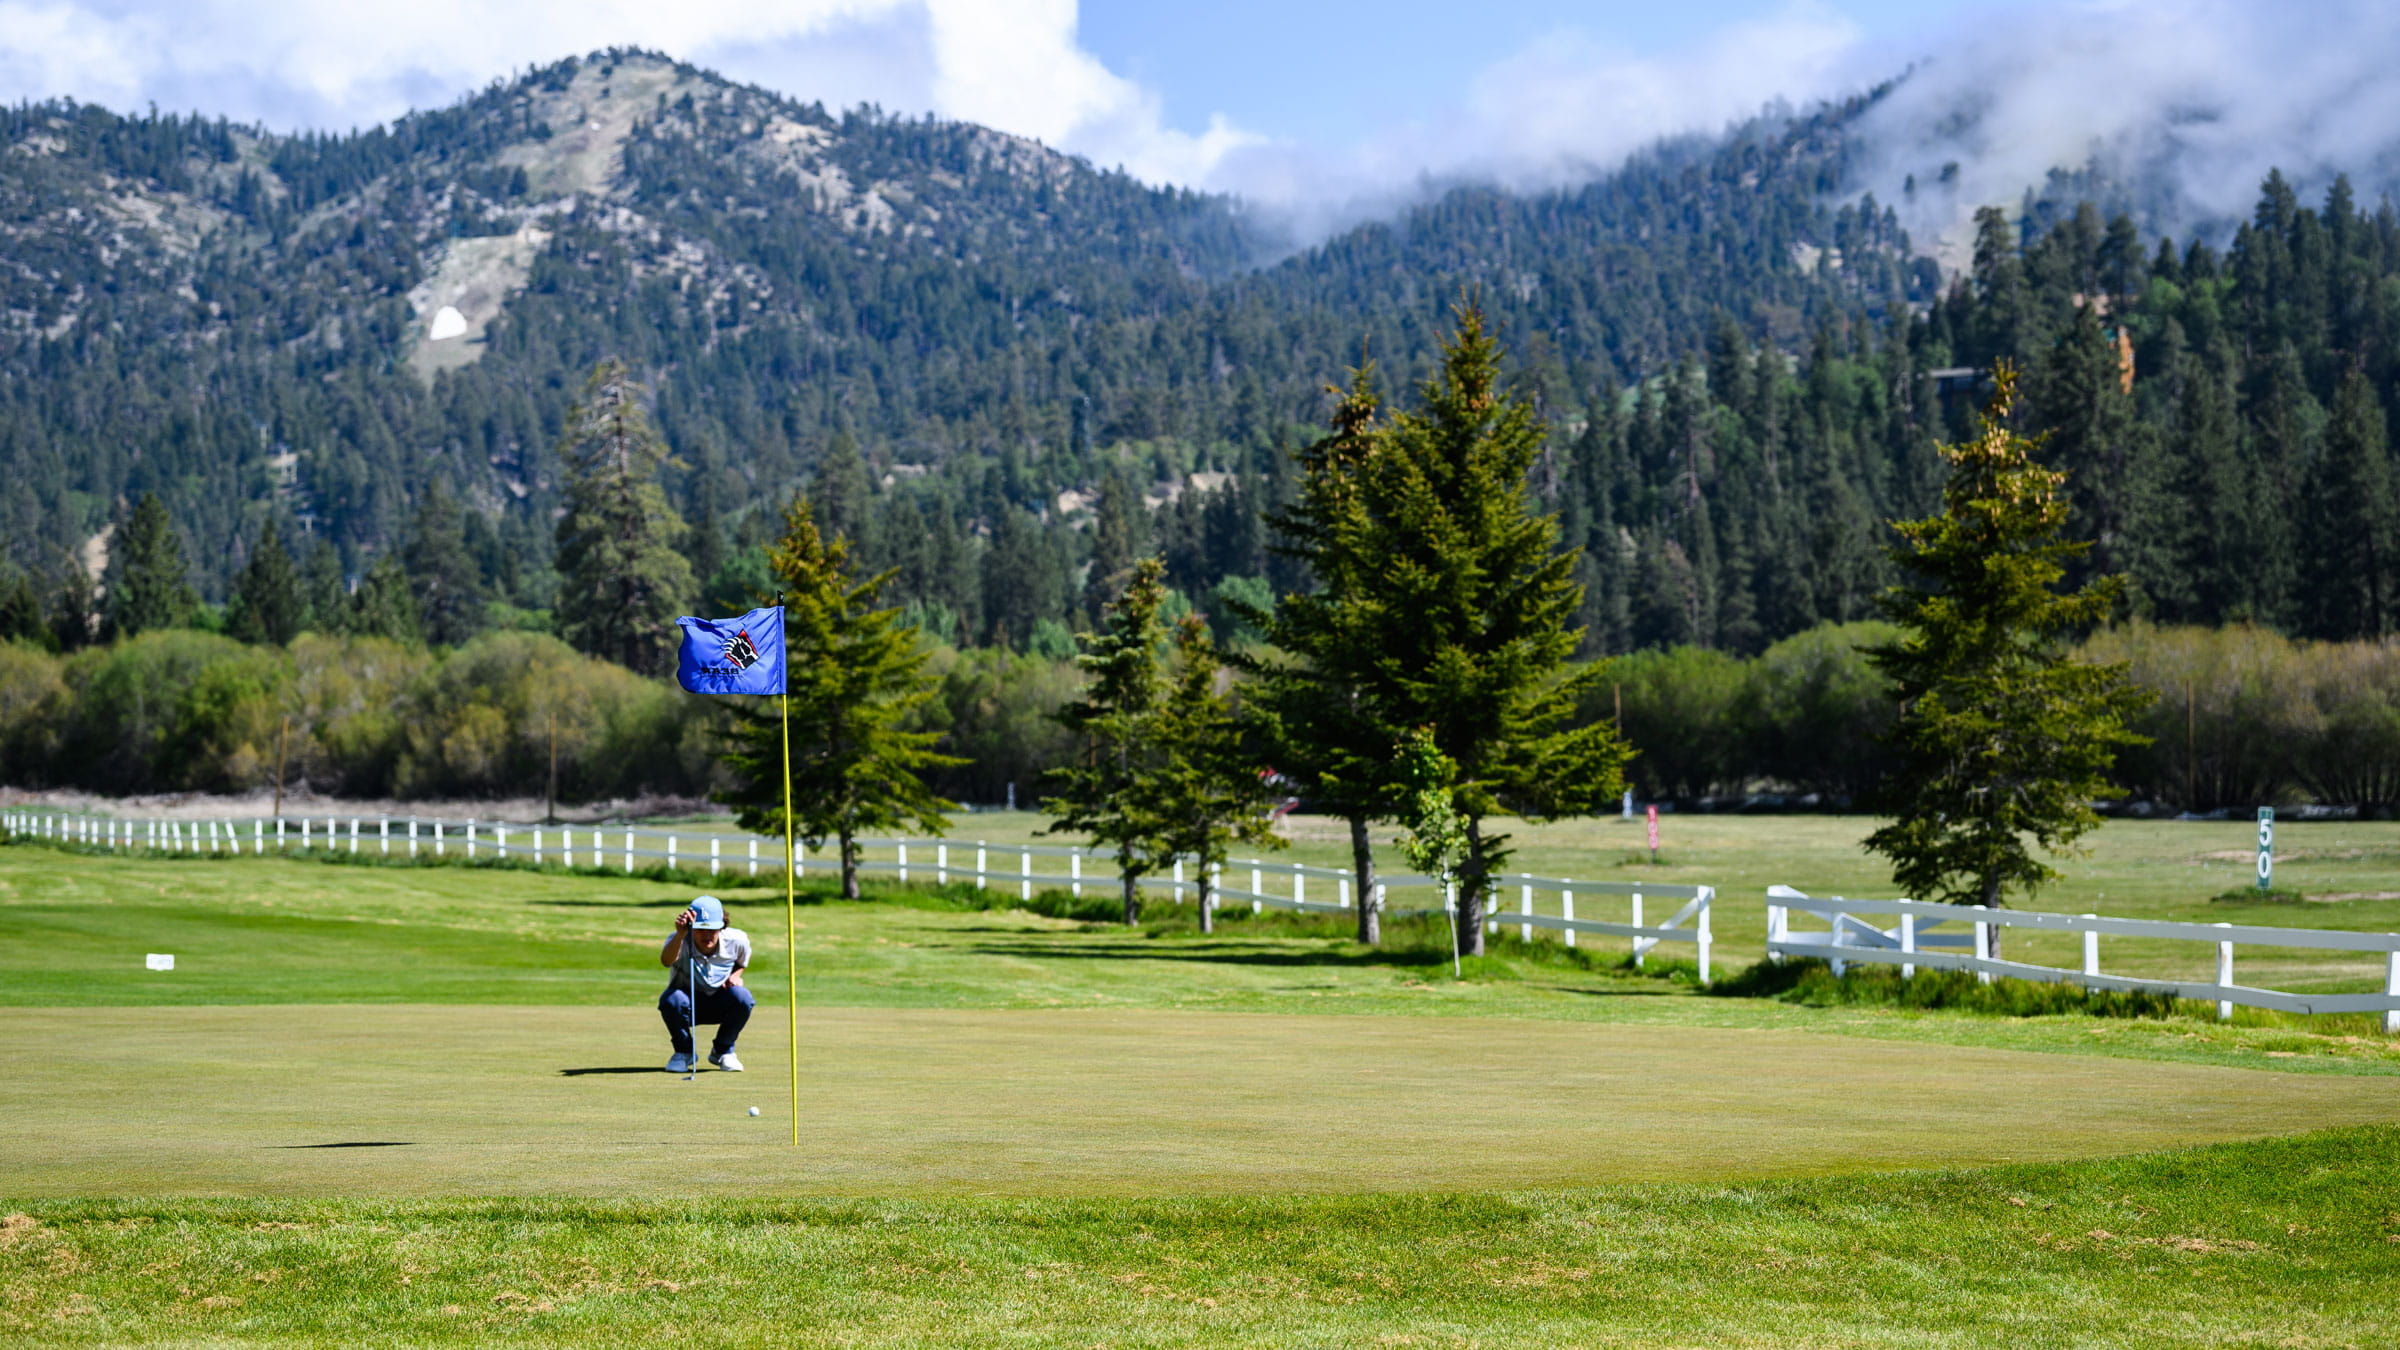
[(741, 655), (741, 651)]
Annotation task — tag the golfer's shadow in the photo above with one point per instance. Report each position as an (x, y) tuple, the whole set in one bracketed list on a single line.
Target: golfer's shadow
[(629, 1068)]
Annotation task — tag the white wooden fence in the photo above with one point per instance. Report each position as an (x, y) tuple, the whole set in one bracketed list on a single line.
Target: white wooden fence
[(939, 860), (1847, 938)]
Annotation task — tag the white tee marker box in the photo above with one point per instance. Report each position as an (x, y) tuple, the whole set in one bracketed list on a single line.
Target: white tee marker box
[(160, 961)]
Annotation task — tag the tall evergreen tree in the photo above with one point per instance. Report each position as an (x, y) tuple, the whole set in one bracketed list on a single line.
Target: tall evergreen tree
[(1306, 691), (321, 584), (383, 605), (21, 616), (855, 676), (1205, 790), (1099, 794), (72, 622), (441, 571), (267, 603), (2003, 736), (2353, 543), (1115, 541), (622, 574), (1468, 609), (146, 584)]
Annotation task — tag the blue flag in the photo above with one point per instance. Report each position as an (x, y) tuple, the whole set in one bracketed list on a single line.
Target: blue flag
[(732, 656)]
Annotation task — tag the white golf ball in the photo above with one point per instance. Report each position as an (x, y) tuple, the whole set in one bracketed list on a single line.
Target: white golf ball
[(754, 1110)]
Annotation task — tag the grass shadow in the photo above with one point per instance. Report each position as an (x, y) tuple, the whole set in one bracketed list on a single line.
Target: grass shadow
[(615, 1068), (1207, 953)]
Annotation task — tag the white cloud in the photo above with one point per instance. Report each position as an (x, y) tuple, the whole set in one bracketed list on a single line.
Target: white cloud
[(1011, 64), (2189, 101)]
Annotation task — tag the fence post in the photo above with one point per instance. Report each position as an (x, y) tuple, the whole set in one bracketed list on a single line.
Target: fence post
[(982, 877), (1025, 873), (1641, 948), (2391, 989), (1257, 906), (629, 851), (500, 841), (1908, 945), (1524, 906), (2091, 950), (1983, 950), (941, 864), (258, 837), (1341, 892), (1566, 910), (1299, 887), (800, 858), (1179, 878), (1708, 932), (383, 833), (713, 841), (2224, 976), (470, 838), (670, 853), (441, 841), (1075, 871), (754, 857), (902, 846), (537, 845)]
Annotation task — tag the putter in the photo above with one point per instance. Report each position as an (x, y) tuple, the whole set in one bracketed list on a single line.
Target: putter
[(691, 1066)]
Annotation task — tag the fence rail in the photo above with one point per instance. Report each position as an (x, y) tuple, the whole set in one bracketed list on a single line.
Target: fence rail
[(1847, 937), (941, 860)]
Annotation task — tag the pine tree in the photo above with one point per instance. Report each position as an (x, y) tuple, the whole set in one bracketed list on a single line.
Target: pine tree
[(383, 606), (21, 616), (2002, 736), (1305, 692), (267, 605), (1099, 795), (1467, 610), (1115, 523), (328, 598), (146, 583), (1205, 791), (441, 572), (855, 676), (72, 621), (622, 574), (2354, 540)]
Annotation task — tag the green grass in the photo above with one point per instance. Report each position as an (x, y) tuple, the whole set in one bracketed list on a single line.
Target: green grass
[(2289, 1242), (1058, 1131)]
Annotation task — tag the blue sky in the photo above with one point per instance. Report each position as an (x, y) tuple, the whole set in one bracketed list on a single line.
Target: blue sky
[(1330, 73)]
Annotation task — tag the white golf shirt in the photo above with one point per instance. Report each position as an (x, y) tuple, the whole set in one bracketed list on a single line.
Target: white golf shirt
[(733, 952)]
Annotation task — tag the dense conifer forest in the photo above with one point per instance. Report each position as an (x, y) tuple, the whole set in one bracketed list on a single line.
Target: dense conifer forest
[(1006, 373)]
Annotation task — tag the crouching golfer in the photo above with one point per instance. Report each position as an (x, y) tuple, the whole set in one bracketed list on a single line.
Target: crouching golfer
[(705, 954)]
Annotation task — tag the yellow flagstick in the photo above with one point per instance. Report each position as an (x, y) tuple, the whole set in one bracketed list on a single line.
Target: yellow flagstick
[(791, 952)]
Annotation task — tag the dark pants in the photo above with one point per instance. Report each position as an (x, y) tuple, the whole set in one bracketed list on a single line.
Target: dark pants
[(728, 1009)]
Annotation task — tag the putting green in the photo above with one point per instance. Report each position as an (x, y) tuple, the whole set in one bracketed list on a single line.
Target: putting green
[(403, 1100)]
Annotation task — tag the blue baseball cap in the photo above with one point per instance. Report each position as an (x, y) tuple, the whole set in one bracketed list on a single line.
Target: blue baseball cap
[(708, 912)]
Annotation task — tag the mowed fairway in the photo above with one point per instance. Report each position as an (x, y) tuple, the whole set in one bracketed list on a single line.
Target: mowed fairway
[(411, 1100), (402, 1106)]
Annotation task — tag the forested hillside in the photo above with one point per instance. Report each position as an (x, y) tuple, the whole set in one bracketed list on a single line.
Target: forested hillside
[(1004, 371), (240, 321)]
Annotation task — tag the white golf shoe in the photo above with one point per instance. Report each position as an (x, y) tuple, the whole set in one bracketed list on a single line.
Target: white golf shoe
[(679, 1063), (729, 1062)]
